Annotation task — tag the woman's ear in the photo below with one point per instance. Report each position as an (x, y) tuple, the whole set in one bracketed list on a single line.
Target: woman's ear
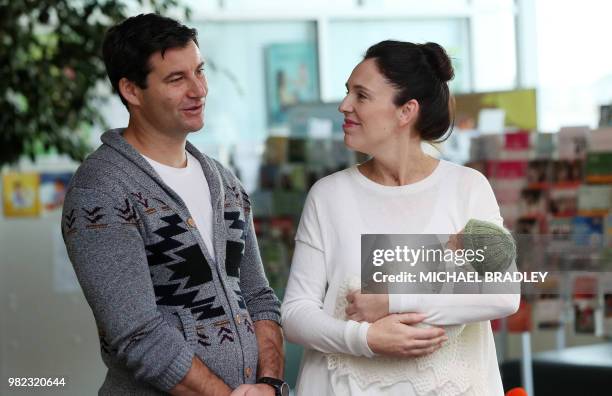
[(130, 91), (408, 113)]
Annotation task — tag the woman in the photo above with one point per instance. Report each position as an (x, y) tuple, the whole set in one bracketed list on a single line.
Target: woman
[(397, 98)]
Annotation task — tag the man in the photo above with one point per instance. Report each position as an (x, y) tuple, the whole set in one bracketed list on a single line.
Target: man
[(161, 236)]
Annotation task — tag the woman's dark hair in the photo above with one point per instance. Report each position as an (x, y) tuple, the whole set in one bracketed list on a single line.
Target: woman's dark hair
[(128, 46), (421, 72)]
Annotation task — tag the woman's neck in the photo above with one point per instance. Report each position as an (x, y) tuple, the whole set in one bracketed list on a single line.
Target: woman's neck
[(400, 168)]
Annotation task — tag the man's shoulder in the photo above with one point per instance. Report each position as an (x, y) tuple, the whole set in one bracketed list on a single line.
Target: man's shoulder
[(98, 172)]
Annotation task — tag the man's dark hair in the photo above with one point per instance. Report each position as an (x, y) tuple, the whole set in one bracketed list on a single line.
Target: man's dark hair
[(128, 46)]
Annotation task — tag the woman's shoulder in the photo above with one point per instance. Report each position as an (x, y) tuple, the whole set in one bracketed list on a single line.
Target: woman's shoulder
[(463, 170), (463, 175), (332, 183)]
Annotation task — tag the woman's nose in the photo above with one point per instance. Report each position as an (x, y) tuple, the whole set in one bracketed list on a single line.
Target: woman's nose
[(345, 106)]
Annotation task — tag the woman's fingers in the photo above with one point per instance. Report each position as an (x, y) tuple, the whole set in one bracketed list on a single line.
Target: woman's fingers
[(353, 314), (422, 344), (415, 352), (426, 333), (410, 318), (419, 332), (392, 336)]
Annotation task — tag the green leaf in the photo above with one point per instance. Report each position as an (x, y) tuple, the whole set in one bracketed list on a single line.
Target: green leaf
[(44, 106)]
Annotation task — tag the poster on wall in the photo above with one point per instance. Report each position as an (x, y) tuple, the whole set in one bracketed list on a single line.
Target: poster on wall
[(20, 195), (53, 189), (291, 78), (519, 107)]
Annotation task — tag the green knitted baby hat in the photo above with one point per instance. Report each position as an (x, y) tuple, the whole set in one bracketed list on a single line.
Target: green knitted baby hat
[(499, 249)]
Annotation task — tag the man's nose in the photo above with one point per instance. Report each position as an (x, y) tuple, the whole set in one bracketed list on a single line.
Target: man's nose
[(199, 87)]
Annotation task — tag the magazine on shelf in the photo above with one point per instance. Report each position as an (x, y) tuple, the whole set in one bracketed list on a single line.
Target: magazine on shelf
[(532, 202), (585, 304), (563, 202), (598, 167), (539, 172), (572, 142), (548, 312), (566, 172), (605, 115), (600, 140), (594, 199)]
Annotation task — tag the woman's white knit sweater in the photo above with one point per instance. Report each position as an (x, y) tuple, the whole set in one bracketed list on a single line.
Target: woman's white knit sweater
[(338, 210)]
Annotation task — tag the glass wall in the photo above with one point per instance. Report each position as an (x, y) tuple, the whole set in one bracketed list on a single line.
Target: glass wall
[(349, 39), (574, 68), (237, 103)]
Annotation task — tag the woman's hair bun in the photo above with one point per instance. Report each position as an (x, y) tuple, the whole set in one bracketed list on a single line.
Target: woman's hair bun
[(420, 72), (438, 60)]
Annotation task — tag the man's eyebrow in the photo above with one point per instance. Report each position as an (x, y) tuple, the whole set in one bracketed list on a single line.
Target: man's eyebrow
[(180, 73), (173, 74)]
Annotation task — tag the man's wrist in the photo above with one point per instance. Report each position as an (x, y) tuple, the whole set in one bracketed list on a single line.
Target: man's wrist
[(280, 387)]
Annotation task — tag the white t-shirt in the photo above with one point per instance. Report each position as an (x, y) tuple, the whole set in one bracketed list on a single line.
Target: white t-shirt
[(340, 208), (191, 185)]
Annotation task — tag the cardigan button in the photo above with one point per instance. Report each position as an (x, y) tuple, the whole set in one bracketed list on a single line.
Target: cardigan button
[(248, 371), (238, 319), (191, 222)]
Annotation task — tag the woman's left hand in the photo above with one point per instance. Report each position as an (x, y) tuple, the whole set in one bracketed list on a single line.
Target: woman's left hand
[(366, 307)]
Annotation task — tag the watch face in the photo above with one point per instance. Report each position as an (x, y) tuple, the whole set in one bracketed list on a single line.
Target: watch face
[(284, 389)]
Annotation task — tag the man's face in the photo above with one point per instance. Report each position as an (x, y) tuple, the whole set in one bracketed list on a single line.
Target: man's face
[(173, 101)]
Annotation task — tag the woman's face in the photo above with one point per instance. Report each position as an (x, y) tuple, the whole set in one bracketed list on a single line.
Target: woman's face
[(371, 119)]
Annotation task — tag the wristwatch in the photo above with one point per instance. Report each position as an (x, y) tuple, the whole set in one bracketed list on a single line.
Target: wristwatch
[(281, 388)]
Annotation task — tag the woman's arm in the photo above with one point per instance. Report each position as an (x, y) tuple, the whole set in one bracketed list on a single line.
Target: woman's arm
[(305, 322), (450, 309), (303, 318), (437, 309)]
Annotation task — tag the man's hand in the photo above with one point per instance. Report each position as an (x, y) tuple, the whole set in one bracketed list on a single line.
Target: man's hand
[(200, 381), (271, 359), (253, 390), (395, 335), (367, 307)]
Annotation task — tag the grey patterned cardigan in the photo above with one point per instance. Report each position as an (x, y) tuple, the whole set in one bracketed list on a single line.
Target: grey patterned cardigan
[(157, 295)]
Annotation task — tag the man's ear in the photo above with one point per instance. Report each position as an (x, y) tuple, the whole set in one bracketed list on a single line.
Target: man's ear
[(131, 92), (408, 113)]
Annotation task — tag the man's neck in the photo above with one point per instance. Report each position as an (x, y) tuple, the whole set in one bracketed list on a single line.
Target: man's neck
[(160, 147)]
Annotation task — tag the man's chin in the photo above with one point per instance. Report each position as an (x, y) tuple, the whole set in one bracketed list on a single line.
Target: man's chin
[(194, 127), (195, 130)]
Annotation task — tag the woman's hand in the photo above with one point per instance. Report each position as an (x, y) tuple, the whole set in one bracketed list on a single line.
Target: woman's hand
[(366, 307), (395, 335)]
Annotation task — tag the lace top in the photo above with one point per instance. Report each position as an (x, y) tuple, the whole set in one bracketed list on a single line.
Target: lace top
[(449, 371)]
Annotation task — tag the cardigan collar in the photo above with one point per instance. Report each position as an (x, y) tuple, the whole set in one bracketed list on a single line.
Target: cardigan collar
[(114, 139)]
